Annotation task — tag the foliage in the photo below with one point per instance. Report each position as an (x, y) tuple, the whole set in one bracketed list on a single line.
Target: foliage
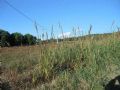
[(29, 39), (4, 38), (16, 39)]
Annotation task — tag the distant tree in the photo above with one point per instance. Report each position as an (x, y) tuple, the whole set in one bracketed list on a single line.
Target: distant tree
[(29, 39), (16, 39), (4, 38)]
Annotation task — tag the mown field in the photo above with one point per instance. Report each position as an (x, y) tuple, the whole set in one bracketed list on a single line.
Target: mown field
[(84, 64)]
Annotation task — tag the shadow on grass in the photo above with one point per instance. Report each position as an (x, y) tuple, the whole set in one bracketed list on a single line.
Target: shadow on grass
[(113, 84), (4, 85)]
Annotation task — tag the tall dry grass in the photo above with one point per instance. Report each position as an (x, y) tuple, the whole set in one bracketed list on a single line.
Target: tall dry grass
[(84, 64)]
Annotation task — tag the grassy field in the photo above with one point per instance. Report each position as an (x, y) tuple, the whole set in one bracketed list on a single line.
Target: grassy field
[(85, 64)]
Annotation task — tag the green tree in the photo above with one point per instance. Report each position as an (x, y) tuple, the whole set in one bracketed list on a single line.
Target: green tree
[(16, 39), (29, 39), (4, 38)]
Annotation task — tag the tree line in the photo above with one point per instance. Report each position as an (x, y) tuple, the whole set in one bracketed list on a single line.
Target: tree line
[(16, 39)]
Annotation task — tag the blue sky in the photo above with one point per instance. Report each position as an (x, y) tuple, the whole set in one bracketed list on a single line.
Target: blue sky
[(69, 13)]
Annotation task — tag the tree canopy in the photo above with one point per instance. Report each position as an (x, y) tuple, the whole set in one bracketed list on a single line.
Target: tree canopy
[(4, 38), (16, 39), (29, 39)]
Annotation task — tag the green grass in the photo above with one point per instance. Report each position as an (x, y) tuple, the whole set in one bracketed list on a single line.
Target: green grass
[(85, 64)]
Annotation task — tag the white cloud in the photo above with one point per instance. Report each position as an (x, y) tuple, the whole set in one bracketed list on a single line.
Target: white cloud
[(65, 35)]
